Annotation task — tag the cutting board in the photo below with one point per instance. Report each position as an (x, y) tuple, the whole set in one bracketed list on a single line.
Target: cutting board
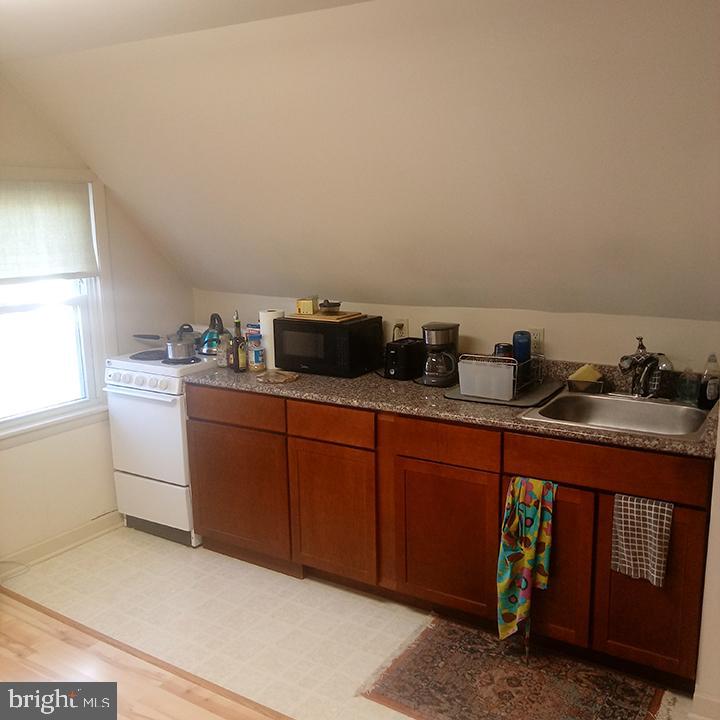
[(533, 397), (322, 317)]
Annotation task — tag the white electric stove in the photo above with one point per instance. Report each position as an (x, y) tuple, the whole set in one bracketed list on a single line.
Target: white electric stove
[(146, 405)]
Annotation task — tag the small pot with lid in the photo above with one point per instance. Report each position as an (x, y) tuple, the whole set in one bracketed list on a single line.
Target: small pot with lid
[(181, 345)]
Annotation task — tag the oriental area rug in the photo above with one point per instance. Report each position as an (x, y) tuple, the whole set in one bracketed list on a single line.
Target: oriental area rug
[(456, 672)]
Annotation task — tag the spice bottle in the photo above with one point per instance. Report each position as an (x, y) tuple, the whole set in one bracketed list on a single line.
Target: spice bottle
[(256, 352)]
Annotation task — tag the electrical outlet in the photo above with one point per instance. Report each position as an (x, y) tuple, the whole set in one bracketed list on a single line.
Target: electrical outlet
[(400, 328), (537, 340)]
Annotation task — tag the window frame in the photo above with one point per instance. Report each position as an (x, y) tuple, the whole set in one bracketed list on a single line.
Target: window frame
[(99, 337)]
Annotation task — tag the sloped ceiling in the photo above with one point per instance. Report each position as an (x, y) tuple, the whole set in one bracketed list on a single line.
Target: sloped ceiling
[(32, 28), (558, 156)]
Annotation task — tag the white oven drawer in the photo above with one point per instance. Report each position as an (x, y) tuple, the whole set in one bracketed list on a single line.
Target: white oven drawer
[(155, 501)]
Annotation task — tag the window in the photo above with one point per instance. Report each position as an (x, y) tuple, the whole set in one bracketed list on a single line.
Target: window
[(49, 309), (46, 326)]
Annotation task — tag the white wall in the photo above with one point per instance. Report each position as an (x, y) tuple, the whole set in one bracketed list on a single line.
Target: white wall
[(54, 485), (706, 702), (568, 336), (48, 27), (558, 155), (150, 294), (25, 140), (57, 483)]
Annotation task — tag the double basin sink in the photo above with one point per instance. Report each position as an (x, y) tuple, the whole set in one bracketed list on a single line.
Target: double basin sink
[(622, 413)]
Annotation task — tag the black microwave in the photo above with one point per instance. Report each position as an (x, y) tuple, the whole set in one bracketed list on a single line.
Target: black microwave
[(341, 349)]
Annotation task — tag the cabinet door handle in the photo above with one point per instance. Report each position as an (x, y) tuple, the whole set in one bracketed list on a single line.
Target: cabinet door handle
[(156, 397)]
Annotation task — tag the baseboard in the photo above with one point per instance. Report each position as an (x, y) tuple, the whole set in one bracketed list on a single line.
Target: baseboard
[(704, 707), (60, 543)]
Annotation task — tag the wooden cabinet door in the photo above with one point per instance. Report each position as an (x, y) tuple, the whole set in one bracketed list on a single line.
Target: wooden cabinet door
[(562, 611), (447, 534), (637, 621), (240, 487), (333, 508)]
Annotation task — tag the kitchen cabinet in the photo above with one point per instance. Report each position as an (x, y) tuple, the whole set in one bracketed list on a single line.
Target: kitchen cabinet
[(414, 506), (562, 610), (333, 508), (446, 526), (631, 619), (438, 500), (332, 489), (240, 487), (637, 621)]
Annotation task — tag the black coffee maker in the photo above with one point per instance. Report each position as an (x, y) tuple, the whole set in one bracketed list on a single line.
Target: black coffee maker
[(441, 343)]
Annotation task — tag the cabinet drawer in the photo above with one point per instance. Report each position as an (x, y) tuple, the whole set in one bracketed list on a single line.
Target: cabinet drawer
[(442, 442), (331, 423), (159, 502), (673, 478), (232, 407)]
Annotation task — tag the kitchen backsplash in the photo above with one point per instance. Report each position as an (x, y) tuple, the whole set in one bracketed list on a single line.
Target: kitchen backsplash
[(574, 337)]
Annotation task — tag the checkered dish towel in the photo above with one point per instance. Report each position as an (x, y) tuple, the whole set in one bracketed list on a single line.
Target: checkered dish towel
[(641, 537)]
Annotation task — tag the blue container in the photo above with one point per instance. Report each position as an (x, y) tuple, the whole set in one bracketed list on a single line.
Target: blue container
[(522, 344)]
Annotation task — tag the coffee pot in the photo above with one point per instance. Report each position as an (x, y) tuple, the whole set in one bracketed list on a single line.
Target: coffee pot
[(441, 341)]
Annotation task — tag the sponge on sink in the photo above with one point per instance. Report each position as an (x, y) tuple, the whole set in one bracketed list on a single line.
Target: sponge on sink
[(587, 373)]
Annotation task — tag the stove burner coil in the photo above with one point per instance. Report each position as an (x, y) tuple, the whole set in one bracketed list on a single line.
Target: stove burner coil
[(149, 355)]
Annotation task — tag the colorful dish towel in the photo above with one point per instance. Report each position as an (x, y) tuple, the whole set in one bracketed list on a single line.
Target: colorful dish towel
[(524, 560), (641, 537)]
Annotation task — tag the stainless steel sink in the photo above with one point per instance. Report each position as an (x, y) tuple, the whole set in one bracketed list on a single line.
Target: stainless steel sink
[(622, 413)]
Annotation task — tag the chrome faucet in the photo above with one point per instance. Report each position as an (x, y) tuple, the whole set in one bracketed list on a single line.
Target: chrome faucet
[(646, 368)]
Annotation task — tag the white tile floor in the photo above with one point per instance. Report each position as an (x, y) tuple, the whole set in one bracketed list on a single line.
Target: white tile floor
[(298, 646), (302, 647)]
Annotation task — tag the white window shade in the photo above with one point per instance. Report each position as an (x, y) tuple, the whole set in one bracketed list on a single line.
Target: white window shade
[(46, 230)]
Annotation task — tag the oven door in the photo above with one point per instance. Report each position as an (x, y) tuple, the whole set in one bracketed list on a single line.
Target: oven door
[(147, 431), (309, 347)]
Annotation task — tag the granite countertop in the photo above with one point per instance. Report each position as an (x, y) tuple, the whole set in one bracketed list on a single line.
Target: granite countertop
[(373, 392)]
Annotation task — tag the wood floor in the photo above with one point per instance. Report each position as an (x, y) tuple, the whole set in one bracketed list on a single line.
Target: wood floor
[(36, 645)]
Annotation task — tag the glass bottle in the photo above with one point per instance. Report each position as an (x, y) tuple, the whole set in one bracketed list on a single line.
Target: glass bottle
[(688, 387), (710, 383), (230, 352), (238, 344), (223, 350)]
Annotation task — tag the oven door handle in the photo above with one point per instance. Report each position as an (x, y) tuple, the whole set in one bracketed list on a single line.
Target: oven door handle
[(143, 394)]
